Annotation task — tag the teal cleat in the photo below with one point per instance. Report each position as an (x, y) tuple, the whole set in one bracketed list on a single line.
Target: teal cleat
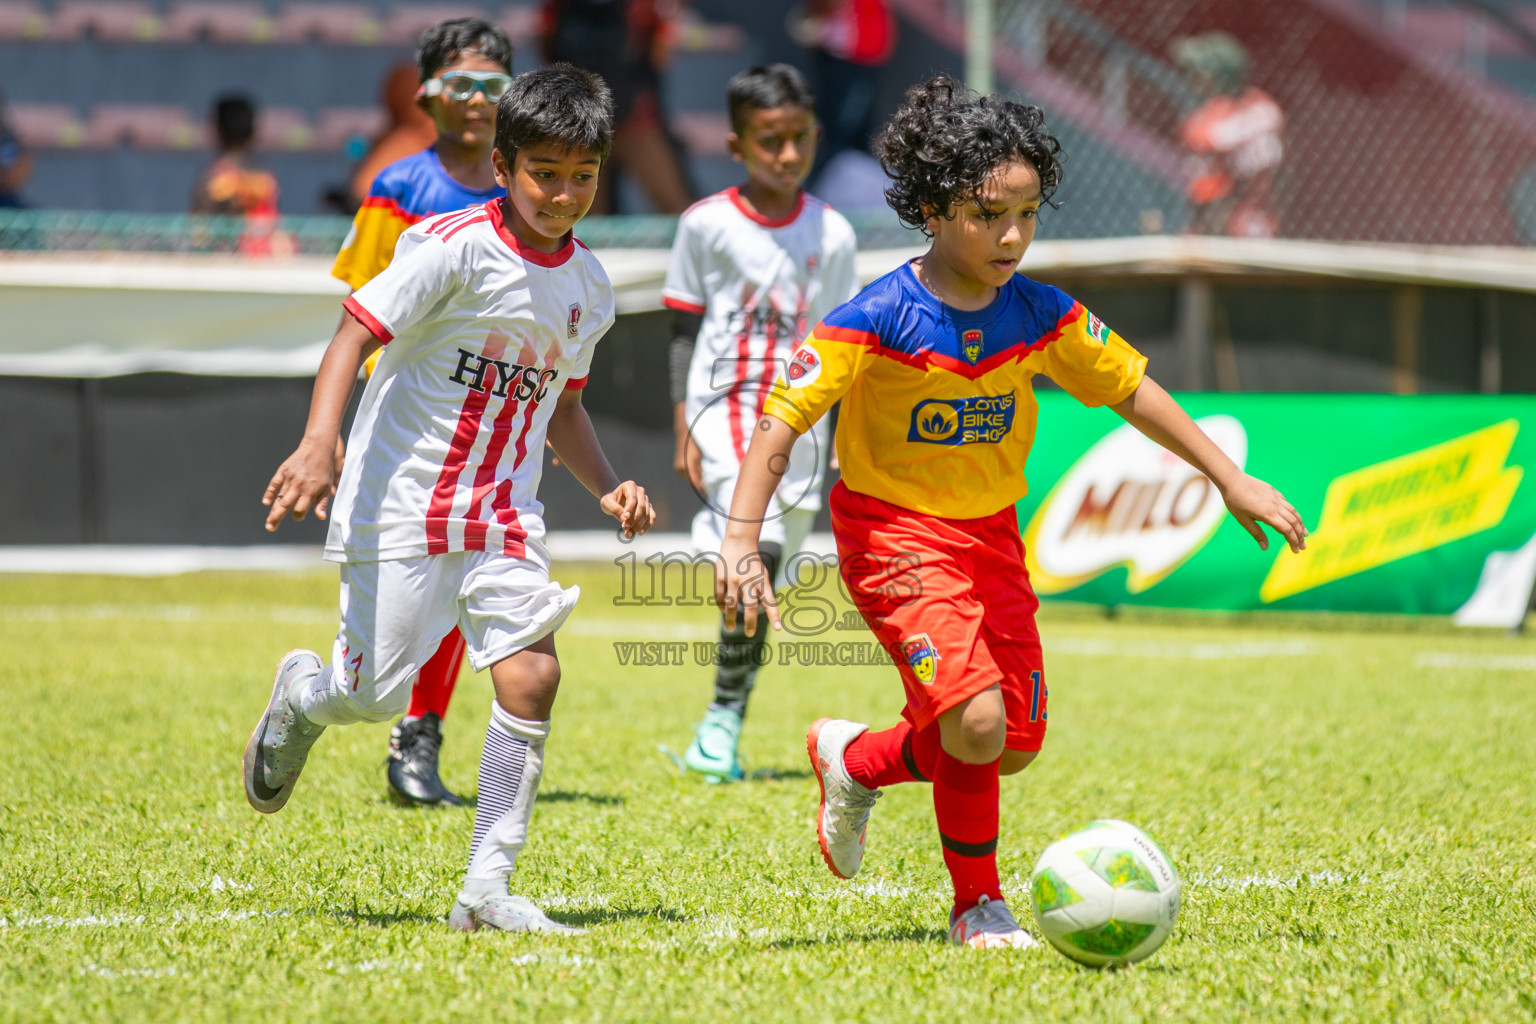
[(713, 750)]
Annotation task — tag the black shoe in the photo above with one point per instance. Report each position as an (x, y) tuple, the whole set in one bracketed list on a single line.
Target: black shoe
[(412, 770)]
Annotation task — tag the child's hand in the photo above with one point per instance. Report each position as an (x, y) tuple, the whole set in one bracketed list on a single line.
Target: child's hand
[(741, 581), (306, 480), (1252, 501), (628, 504), (688, 462)]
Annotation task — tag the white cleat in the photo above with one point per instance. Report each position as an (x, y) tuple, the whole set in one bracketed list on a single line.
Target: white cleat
[(278, 747), (845, 804), (989, 925), (505, 914)]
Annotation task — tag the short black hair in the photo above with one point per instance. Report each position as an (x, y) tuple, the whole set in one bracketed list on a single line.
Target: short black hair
[(940, 148), (234, 119), (443, 43), (763, 88), (562, 104)]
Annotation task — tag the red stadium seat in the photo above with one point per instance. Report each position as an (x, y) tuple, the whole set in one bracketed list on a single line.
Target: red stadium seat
[(702, 132), (22, 20), (346, 24), (522, 23), (46, 125), (232, 22), (144, 127), (283, 128), (336, 126), (407, 21), (119, 21)]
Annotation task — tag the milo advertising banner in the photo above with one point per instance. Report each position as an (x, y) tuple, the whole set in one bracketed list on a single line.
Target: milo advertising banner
[(1416, 504)]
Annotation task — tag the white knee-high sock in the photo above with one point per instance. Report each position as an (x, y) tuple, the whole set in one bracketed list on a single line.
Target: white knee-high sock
[(510, 768)]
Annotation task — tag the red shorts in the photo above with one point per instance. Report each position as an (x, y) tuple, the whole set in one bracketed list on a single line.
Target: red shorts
[(951, 600)]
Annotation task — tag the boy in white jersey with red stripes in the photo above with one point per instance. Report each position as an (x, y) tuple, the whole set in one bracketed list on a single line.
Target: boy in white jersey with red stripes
[(488, 318), (752, 269)]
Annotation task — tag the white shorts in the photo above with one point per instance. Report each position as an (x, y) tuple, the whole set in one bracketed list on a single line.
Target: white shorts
[(787, 528), (395, 613)]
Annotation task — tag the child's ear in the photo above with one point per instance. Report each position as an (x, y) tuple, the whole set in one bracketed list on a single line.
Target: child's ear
[(733, 143), (499, 168)]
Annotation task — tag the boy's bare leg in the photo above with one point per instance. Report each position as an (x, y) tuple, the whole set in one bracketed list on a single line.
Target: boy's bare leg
[(510, 768)]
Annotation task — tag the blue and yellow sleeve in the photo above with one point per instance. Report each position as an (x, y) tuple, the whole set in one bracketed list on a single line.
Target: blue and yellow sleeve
[(1092, 363), (823, 368)]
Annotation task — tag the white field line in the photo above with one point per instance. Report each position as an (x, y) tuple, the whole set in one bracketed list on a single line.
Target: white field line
[(1270, 880), (167, 613), (1204, 651), (112, 973), (121, 920), (1488, 662)]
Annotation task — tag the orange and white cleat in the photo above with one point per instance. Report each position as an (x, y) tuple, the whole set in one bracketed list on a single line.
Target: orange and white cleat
[(845, 804)]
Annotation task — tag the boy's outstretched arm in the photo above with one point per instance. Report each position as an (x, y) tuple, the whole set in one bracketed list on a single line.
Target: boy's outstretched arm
[(575, 443), (740, 579), (1153, 411), (307, 478)]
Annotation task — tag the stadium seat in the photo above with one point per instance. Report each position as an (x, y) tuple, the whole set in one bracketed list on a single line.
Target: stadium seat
[(343, 23), (521, 22), (232, 22), (283, 128), (337, 125), (406, 22), (46, 125), (703, 132), (144, 127), (118, 21), (21, 20)]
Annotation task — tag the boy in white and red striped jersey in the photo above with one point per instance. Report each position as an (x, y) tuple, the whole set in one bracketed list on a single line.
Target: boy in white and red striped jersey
[(488, 318), (753, 268)]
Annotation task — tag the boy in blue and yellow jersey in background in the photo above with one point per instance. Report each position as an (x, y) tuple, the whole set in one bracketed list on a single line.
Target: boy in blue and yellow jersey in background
[(934, 365), (466, 67)]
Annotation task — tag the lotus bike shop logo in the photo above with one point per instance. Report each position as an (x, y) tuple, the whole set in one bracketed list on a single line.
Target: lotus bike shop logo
[(922, 657), (1128, 502), (979, 419)]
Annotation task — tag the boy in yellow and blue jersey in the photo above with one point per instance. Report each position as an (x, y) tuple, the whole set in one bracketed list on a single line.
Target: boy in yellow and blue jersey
[(465, 66), (934, 365)]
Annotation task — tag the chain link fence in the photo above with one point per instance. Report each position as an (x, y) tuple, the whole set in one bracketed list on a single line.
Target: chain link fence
[(1306, 119)]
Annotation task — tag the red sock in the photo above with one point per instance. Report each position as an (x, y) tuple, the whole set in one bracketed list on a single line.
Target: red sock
[(899, 754), (434, 686), (965, 801)]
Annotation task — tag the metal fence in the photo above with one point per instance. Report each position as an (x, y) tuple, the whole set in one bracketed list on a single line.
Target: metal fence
[(72, 231), (1316, 119)]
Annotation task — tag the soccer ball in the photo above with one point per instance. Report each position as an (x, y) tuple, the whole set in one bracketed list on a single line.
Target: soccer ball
[(1106, 895)]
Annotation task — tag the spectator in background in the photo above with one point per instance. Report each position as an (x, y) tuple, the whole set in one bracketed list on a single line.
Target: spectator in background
[(234, 185), (1233, 141), (410, 129), (628, 42), (850, 42), (15, 163)]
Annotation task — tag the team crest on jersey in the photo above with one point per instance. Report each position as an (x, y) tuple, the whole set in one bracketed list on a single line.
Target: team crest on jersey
[(971, 342), (1098, 329), (573, 325), (922, 657), (804, 367)]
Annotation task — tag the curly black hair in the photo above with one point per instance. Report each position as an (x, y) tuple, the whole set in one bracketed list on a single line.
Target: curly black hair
[(944, 143)]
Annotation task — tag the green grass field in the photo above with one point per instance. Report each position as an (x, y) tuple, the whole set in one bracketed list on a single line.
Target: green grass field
[(1353, 812)]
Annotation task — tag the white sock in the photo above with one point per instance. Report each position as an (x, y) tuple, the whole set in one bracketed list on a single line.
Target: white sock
[(510, 767)]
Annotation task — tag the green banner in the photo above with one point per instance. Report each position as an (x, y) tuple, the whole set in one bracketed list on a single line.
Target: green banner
[(1406, 498)]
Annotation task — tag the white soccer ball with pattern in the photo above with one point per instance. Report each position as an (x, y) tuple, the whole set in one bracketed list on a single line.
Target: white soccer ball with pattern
[(1106, 895)]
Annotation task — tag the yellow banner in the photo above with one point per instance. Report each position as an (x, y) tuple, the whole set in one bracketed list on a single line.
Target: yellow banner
[(1401, 507)]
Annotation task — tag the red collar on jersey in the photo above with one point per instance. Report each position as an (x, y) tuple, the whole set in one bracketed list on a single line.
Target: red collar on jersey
[(768, 222), (527, 253)]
